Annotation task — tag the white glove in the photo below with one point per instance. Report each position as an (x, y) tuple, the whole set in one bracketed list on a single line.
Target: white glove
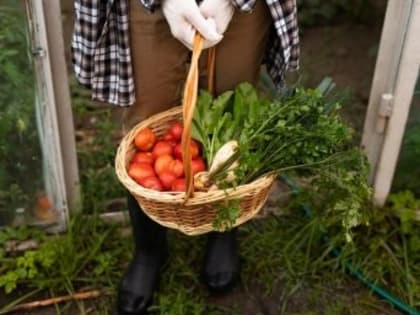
[(221, 11), (184, 19)]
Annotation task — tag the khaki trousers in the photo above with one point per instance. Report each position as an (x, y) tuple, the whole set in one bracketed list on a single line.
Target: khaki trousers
[(160, 62)]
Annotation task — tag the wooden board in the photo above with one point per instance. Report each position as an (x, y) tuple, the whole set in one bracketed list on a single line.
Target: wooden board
[(388, 109), (62, 102)]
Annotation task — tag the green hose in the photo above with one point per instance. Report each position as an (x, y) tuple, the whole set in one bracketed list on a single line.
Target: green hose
[(378, 290)]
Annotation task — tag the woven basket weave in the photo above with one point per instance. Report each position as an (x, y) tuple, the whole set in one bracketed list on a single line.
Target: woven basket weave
[(189, 212)]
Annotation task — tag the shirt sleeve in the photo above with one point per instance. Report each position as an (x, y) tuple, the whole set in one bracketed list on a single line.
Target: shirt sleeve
[(150, 5), (244, 5)]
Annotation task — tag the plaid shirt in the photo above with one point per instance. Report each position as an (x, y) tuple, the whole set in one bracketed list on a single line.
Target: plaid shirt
[(101, 52)]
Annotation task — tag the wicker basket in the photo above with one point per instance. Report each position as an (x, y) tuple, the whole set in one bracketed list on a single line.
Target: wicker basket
[(189, 212)]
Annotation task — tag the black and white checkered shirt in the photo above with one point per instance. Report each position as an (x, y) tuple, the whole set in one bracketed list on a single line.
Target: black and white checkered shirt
[(101, 51)]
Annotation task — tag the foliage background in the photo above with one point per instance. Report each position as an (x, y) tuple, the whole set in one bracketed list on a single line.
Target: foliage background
[(19, 146)]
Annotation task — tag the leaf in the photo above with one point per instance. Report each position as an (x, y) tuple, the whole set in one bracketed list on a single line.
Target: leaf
[(204, 101), (197, 132), (240, 110), (415, 243), (227, 133), (250, 101), (217, 109)]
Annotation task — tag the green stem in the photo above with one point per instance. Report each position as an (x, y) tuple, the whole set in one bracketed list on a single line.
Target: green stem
[(268, 161), (266, 122), (7, 308), (93, 252), (333, 157), (212, 150), (261, 172), (407, 271)]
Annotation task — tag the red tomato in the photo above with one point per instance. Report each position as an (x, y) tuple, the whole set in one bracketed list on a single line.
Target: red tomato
[(195, 149), (152, 182), (179, 185), (43, 202), (162, 148), (178, 151), (168, 136), (145, 139), (167, 178), (198, 165), (142, 157), (162, 163), (139, 171), (176, 130), (177, 168)]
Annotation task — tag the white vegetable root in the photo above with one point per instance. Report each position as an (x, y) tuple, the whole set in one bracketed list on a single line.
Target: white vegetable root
[(203, 181), (223, 155)]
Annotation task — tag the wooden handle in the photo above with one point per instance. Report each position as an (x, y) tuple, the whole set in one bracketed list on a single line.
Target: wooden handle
[(188, 106)]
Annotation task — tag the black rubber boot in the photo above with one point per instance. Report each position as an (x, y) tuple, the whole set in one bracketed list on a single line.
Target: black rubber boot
[(221, 263), (142, 276)]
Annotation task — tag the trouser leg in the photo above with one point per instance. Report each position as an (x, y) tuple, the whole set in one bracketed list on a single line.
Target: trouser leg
[(160, 64), (240, 53)]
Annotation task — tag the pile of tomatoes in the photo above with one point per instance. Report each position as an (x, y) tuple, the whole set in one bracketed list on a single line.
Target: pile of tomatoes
[(158, 165)]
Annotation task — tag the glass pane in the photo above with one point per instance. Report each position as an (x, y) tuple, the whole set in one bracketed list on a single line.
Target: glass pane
[(22, 195), (407, 174)]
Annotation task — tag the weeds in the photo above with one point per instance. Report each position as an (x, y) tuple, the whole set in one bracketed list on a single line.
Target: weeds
[(286, 267), (388, 250), (89, 255)]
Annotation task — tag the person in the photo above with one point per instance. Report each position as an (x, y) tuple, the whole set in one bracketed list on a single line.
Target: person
[(135, 54)]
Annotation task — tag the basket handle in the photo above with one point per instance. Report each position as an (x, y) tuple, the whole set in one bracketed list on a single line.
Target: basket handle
[(188, 105)]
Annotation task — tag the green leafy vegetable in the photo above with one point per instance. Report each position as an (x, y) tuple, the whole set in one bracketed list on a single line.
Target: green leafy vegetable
[(300, 134)]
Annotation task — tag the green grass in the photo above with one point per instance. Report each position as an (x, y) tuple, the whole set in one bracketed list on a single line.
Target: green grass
[(283, 270), (89, 255), (388, 250)]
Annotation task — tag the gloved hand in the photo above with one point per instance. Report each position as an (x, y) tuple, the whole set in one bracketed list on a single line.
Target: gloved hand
[(184, 18), (221, 11)]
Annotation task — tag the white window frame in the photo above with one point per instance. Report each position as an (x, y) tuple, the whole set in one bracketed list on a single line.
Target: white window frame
[(53, 108), (396, 73)]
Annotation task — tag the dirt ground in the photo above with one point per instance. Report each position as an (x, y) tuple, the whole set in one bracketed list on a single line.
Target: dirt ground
[(346, 53)]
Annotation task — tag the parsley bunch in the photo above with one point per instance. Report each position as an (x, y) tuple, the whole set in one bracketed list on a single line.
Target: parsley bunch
[(300, 134)]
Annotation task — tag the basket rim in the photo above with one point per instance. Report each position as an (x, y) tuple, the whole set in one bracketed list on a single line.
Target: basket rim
[(176, 197)]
